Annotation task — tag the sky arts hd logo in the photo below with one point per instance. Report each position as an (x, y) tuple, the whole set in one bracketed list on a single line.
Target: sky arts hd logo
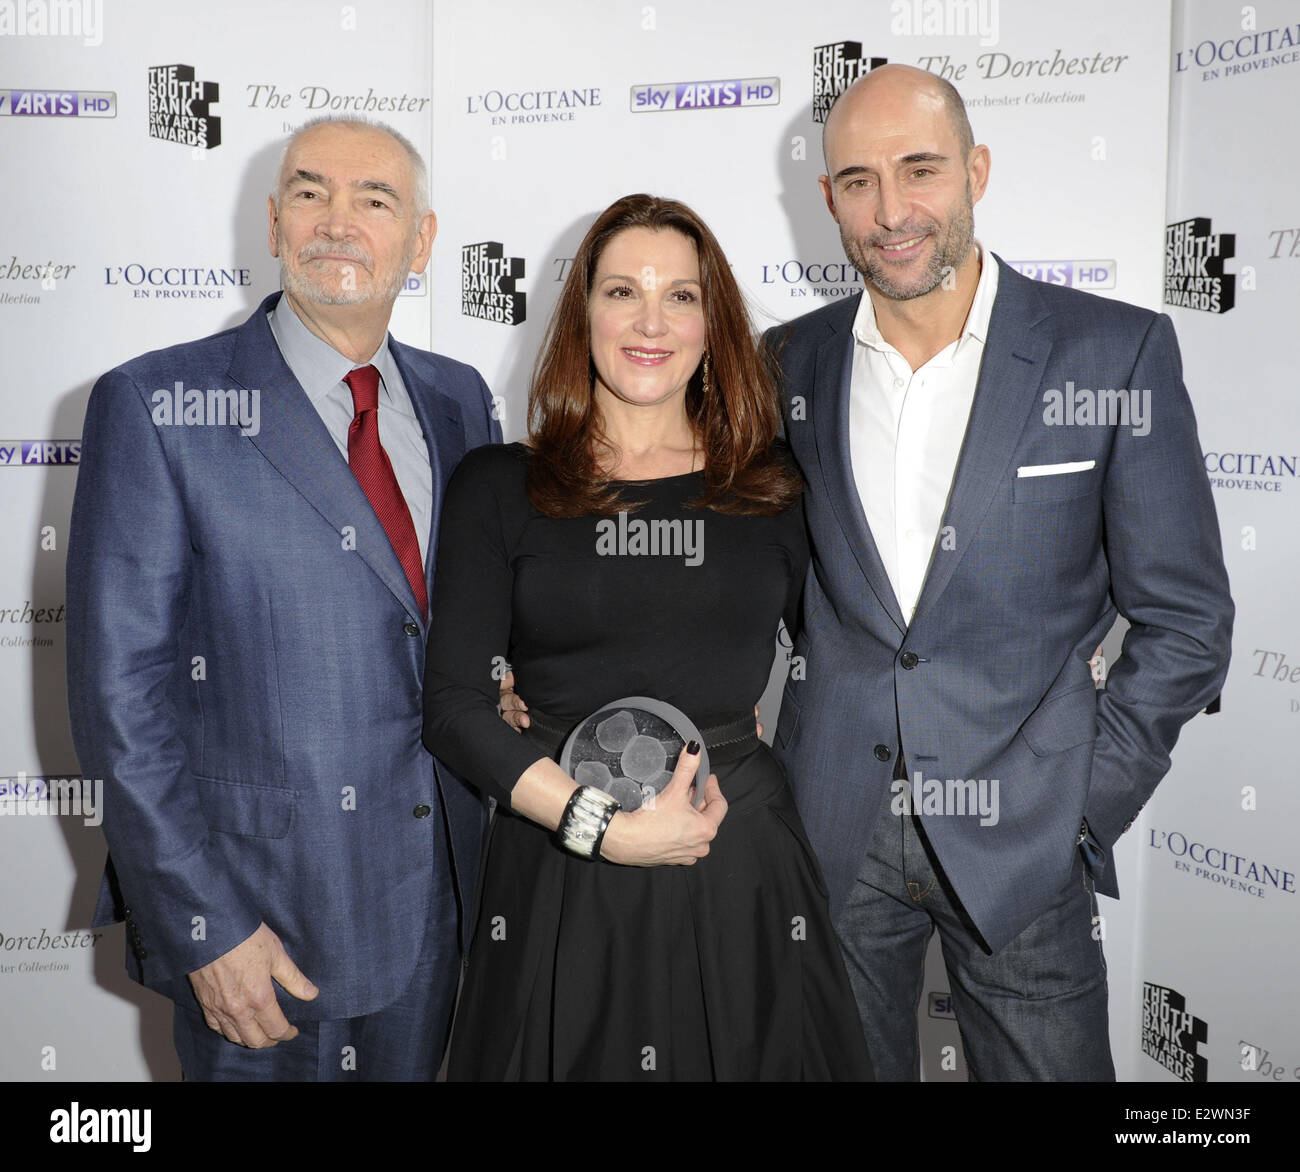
[(59, 103), (1074, 274), (706, 95), (179, 107), (416, 285), (38, 453)]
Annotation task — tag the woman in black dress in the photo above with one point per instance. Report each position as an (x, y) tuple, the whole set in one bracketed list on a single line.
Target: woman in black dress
[(695, 943)]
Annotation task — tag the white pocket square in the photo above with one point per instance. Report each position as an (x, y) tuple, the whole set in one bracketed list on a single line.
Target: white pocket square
[(1055, 469)]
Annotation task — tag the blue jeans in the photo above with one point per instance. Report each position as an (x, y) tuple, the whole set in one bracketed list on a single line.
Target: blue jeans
[(1034, 1011)]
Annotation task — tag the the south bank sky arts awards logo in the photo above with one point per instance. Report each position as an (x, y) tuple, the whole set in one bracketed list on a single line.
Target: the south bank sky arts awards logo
[(1194, 276), (487, 284), (836, 67), (1171, 1034), (180, 107)]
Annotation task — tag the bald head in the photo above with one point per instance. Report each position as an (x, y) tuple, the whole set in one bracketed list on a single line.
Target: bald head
[(897, 84), (902, 178)]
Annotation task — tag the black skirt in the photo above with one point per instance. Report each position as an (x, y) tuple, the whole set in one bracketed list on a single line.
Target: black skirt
[(728, 969)]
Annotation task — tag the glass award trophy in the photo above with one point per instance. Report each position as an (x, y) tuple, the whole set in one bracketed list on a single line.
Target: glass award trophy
[(629, 749)]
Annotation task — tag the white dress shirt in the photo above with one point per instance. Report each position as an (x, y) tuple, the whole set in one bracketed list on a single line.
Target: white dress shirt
[(905, 433), (319, 368)]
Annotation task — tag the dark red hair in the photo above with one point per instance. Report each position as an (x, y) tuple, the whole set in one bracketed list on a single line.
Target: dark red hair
[(736, 424)]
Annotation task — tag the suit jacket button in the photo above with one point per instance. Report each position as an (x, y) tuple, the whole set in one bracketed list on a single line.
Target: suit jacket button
[(882, 752), (909, 659), (422, 811), (410, 628)]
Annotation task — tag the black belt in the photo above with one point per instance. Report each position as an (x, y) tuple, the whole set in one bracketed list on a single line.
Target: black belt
[(725, 742)]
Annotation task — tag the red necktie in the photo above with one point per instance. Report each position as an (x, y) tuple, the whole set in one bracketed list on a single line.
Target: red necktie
[(370, 465)]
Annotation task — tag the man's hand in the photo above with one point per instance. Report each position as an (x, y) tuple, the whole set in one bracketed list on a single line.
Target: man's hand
[(512, 707), (238, 998)]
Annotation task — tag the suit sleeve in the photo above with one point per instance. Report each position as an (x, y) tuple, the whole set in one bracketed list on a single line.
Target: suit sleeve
[(494, 425), (469, 636), (129, 587), (1168, 580)]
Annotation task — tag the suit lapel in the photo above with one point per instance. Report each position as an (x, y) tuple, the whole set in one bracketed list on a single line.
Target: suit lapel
[(444, 435), (832, 377), (295, 440), (1012, 369)]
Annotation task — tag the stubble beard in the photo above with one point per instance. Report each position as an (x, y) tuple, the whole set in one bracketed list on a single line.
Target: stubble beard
[(305, 287), (952, 246)]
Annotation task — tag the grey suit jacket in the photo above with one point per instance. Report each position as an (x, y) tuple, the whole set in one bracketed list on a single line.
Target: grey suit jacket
[(991, 681)]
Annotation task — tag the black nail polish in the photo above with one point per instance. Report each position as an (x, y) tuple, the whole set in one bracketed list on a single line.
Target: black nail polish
[(693, 748)]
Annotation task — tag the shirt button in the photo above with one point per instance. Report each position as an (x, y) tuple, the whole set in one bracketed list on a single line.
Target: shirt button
[(410, 628), (909, 659), (910, 534), (882, 752), (898, 382), (422, 811)]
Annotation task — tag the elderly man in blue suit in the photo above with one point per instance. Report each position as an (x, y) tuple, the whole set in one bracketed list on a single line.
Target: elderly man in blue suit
[(995, 468), (249, 569)]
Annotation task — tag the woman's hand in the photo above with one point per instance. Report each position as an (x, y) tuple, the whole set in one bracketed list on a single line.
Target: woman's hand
[(668, 830), (512, 706)]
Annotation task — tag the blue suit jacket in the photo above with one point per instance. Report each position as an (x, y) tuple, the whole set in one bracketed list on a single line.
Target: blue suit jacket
[(991, 679), (245, 669)]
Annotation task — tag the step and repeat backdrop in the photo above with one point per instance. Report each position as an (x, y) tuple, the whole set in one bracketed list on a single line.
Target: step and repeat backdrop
[(1135, 154)]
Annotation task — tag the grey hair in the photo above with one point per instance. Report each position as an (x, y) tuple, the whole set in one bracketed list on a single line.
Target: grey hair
[(419, 171)]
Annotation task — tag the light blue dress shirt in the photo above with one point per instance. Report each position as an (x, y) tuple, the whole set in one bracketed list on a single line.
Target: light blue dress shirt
[(319, 369)]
